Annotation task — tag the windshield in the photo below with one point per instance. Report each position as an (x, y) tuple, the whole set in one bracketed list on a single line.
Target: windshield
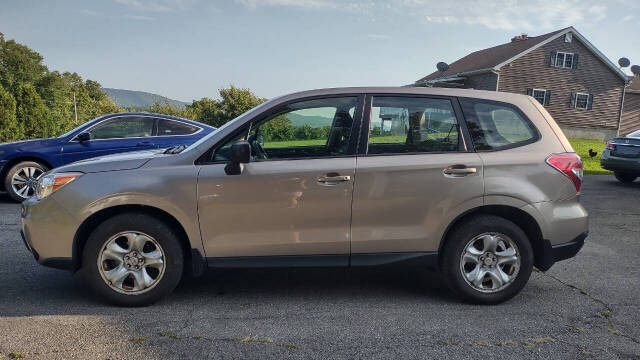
[(635, 134), (78, 127), (197, 143)]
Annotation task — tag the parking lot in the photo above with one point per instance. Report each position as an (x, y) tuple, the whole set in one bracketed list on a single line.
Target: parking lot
[(584, 307)]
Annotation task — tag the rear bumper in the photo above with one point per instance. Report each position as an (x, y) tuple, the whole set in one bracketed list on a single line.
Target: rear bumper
[(550, 254), (613, 163)]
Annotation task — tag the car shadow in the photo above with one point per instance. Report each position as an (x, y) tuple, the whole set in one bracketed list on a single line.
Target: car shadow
[(4, 198), (54, 292)]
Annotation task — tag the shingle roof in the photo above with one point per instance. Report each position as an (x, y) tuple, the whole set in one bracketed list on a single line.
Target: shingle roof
[(488, 58)]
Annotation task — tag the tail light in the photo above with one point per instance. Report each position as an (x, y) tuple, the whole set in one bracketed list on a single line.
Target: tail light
[(610, 146), (570, 165)]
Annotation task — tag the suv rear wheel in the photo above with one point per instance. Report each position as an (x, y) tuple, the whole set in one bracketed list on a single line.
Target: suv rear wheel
[(625, 177), (133, 260), (487, 259)]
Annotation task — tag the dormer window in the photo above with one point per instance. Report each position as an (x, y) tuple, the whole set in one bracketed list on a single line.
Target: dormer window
[(564, 60)]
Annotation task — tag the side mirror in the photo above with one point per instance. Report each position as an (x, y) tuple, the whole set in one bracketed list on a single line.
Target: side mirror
[(240, 154), (84, 136)]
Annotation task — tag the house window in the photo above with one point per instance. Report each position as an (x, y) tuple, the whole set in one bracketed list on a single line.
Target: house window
[(539, 94), (564, 60), (542, 95), (582, 101)]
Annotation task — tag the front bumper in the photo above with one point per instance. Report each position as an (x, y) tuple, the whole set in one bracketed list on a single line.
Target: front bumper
[(2, 164), (550, 254), (48, 231)]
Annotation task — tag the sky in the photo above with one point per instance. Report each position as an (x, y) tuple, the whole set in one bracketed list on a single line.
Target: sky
[(188, 49)]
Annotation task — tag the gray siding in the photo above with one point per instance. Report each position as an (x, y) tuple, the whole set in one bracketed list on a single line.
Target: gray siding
[(487, 81), (592, 76), (630, 113)]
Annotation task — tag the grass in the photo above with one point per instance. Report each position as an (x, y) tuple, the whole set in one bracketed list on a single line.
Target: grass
[(591, 164)]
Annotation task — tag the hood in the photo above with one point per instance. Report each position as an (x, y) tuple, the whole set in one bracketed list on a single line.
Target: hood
[(21, 143), (123, 161)]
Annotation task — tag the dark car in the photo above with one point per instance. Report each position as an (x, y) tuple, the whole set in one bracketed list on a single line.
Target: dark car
[(23, 162), (622, 156)]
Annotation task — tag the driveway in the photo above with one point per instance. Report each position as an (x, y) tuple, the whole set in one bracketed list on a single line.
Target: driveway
[(586, 307)]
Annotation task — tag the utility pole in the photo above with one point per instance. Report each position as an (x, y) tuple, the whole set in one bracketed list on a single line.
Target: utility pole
[(75, 107)]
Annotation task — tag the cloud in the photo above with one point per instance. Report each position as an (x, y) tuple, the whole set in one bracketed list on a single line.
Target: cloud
[(447, 19), (627, 18), (152, 5), (308, 4), (139, 17), (521, 15)]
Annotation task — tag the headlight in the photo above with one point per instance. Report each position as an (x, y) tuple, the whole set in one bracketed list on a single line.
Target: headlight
[(50, 183)]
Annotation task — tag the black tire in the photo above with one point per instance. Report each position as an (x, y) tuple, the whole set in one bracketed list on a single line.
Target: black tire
[(457, 240), (134, 222), (625, 177), (15, 169)]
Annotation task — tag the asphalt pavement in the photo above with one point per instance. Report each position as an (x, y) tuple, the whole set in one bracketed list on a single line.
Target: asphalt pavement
[(586, 307)]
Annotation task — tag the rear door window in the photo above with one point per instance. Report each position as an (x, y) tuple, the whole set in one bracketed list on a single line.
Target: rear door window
[(170, 127), (401, 125), (496, 126)]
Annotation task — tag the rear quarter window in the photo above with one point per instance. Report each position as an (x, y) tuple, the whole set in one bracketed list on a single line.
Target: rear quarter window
[(496, 126)]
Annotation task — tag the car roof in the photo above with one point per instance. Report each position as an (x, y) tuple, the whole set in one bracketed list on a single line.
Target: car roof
[(408, 90), (156, 115)]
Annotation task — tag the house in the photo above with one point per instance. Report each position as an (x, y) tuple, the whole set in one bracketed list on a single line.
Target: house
[(579, 86), (631, 109)]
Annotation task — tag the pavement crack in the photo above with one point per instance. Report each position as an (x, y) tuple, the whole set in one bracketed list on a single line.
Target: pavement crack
[(607, 313)]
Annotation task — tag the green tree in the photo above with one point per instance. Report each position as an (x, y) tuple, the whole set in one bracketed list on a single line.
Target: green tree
[(166, 108), (236, 101), (18, 64), (31, 113), (206, 111), (9, 127), (279, 128)]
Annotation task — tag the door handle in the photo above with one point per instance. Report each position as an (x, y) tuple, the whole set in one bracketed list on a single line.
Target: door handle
[(145, 143), (331, 179), (459, 170)]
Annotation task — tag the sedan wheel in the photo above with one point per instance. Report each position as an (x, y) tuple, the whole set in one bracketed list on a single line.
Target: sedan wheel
[(22, 179)]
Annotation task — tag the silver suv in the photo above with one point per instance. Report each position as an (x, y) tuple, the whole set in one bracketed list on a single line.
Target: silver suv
[(480, 185)]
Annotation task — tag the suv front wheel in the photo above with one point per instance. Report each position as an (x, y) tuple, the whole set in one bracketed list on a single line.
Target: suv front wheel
[(133, 260), (487, 259)]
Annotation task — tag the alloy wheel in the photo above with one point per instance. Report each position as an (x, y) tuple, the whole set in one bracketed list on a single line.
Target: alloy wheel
[(490, 262), (131, 262), (25, 181)]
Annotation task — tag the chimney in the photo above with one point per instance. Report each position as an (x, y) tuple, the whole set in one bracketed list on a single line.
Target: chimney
[(521, 37)]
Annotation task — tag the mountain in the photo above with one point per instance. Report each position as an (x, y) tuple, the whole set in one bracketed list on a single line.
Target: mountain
[(138, 99), (315, 121)]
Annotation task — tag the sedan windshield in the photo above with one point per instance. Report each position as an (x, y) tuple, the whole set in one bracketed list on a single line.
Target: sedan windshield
[(635, 134), (78, 127)]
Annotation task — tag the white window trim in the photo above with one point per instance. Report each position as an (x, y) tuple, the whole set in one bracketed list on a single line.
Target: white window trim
[(586, 104), (533, 94), (564, 60)]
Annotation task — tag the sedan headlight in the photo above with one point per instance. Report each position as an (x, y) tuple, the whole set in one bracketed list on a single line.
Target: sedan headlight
[(50, 183)]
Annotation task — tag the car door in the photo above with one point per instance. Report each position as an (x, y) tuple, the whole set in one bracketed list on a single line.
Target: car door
[(414, 175), (172, 132), (113, 135), (294, 197)]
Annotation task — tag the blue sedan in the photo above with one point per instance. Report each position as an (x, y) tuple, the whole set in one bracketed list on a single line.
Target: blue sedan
[(23, 162)]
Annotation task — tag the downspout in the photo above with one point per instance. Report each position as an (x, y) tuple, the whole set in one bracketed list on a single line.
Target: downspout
[(624, 90)]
